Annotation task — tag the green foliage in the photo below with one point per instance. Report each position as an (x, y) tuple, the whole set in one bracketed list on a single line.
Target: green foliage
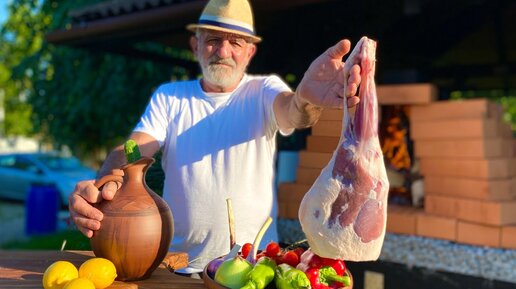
[(509, 105), (88, 101), (75, 240), (20, 36), (91, 101)]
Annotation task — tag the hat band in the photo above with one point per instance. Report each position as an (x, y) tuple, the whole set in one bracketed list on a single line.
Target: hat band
[(225, 23)]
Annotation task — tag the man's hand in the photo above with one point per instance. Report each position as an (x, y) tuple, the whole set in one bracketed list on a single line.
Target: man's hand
[(324, 82), (86, 217), (80, 203)]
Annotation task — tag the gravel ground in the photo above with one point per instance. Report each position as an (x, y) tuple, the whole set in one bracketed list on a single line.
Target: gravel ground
[(485, 262)]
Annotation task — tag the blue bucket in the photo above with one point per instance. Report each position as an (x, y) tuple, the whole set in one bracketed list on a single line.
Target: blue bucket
[(41, 209)]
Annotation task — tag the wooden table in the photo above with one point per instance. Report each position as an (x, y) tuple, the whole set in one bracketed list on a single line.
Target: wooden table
[(24, 269)]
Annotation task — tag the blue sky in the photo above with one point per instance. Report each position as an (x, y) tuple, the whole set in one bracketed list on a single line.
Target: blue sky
[(3, 10)]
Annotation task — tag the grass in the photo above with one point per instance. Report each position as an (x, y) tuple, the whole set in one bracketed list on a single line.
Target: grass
[(74, 241)]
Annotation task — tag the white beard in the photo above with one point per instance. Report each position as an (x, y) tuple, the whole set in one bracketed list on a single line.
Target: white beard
[(221, 75)]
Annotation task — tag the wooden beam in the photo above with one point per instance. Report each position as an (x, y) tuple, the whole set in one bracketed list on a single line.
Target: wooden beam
[(174, 17)]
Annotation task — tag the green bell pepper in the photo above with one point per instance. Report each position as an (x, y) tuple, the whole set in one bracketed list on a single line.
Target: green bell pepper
[(288, 277)]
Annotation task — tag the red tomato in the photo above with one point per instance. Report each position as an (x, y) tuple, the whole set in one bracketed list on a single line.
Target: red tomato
[(279, 259), (246, 249), (291, 258), (299, 251), (272, 249)]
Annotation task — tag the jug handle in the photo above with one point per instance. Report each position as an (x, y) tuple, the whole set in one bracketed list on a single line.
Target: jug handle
[(115, 176)]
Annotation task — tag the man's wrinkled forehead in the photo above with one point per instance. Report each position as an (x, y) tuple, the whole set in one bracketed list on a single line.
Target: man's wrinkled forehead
[(222, 34)]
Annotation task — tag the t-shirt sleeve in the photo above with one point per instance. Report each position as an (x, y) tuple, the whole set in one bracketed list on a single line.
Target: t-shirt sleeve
[(274, 85), (154, 120)]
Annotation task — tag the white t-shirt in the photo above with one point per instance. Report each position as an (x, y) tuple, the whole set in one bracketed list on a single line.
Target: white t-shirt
[(216, 146)]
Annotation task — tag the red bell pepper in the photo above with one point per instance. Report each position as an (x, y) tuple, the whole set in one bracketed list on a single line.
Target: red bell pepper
[(326, 278), (310, 260), (338, 265), (324, 273)]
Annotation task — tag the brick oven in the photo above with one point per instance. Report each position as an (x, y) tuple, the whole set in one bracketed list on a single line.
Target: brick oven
[(453, 166)]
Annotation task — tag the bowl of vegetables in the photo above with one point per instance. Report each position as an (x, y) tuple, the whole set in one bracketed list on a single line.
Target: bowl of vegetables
[(275, 268)]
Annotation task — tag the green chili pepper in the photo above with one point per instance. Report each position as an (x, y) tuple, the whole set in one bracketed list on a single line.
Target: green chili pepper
[(288, 277), (261, 275)]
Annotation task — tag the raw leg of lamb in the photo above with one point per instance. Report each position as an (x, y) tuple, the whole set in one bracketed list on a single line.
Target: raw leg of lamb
[(344, 213)]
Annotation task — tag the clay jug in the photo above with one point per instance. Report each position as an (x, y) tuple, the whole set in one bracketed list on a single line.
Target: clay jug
[(138, 226)]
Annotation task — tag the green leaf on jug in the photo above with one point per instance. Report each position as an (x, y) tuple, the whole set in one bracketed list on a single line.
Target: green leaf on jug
[(132, 151)]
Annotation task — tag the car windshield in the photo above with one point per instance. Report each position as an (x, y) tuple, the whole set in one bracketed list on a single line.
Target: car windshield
[(57, 163)]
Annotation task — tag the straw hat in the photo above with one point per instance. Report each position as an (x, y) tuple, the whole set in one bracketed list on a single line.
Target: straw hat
[(232, 16)]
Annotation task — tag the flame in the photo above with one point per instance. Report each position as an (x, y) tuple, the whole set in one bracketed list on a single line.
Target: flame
[(395, 147)]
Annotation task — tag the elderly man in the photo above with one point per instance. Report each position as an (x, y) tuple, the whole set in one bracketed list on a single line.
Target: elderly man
[(218, 135)]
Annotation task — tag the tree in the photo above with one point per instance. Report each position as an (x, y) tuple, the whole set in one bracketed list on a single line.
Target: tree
[(87, 101), (20, 36)]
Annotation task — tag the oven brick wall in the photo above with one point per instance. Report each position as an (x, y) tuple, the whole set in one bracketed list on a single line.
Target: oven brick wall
[(467, 157)]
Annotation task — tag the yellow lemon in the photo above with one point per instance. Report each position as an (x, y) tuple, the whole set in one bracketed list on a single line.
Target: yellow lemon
[(58, 274), (100, 271), (80, 283)]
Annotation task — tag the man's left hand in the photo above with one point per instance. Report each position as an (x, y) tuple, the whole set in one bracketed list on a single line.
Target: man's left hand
[(324, 82)]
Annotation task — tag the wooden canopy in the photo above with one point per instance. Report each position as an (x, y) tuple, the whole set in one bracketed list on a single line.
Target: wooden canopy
[(458, 44)]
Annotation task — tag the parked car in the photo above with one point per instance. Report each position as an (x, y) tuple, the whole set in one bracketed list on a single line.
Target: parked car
[(19, 171)]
